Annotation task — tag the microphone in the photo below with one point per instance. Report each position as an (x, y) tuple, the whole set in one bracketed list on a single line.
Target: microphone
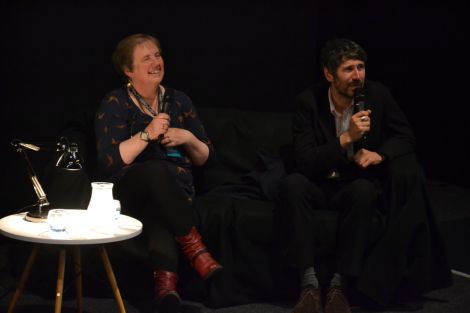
[(164, 105), (17, 143), (359, 99), (360, 105)]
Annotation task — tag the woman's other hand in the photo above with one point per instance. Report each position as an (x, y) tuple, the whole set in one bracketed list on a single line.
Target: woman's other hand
[(177, 137), (197, 151)]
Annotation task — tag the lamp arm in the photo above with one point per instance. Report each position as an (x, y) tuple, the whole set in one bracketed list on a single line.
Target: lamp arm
[(39, 191), (42, 199)]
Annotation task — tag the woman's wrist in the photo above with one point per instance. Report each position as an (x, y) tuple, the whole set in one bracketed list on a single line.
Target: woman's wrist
[(144, 135)]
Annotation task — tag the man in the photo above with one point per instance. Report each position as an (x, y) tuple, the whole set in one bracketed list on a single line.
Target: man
[(359, 162)]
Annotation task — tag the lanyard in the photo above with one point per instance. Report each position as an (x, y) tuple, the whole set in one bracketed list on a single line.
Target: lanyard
[(142, 101)]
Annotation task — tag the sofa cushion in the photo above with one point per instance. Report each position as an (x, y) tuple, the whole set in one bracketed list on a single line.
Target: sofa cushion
[(238, 136)]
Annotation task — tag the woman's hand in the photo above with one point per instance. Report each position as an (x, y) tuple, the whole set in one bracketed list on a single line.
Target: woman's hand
[(158, 126), (197, 150), (177, 137), (132, 147)]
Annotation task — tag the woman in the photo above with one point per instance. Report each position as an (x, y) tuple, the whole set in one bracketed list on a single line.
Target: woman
[(148, 139)]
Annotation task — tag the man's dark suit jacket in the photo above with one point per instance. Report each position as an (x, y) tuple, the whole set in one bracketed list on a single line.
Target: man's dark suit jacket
[(317, 149), (410, 253)]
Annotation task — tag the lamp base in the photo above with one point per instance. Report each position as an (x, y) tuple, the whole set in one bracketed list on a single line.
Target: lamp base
[(36, 215)]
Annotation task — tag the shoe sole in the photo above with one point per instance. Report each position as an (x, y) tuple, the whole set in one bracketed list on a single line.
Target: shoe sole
[(170, 303), (213, 272)]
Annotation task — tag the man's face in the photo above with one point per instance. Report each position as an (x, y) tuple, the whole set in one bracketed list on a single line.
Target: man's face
[(350, 75)]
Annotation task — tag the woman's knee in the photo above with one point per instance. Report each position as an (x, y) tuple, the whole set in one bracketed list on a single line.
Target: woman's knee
[(154, 170)]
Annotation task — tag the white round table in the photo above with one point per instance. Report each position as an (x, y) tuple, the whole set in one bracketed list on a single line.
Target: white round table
[(81, 230)]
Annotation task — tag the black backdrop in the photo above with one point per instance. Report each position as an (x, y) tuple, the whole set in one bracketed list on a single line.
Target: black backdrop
[(56, 64)]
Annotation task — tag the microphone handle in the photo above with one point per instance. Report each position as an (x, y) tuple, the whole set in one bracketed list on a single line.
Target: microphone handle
[(359, 106)]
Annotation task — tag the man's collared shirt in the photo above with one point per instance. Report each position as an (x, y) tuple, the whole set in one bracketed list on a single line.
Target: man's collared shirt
[(342, 120)]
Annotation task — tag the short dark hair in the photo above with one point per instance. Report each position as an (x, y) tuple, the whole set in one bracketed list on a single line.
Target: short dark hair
[(337, 50), (123, 53)]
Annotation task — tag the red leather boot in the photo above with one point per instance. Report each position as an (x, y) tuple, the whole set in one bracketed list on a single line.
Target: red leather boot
[(167, 299), (197, 253)]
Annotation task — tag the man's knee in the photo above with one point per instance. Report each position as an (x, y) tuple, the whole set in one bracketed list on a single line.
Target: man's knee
[(363, 187), (364, 193), (297, 191), (294, 182)]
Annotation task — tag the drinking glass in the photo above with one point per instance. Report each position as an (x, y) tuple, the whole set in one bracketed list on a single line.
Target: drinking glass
[(57, 220), (117, 207)]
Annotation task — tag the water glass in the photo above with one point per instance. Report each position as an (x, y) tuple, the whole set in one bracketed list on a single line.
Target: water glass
[(57, 220), (117, 207)]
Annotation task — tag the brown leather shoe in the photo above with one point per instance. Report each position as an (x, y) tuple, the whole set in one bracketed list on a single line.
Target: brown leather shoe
[(336, 301), (309, 301)]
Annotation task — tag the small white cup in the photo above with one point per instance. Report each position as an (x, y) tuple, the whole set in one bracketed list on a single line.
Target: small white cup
[(57, 220)]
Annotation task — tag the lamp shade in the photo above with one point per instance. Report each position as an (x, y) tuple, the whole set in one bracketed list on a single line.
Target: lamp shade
[(70, 159)]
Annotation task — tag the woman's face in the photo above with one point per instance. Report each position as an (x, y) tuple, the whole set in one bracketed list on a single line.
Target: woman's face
[(148, 65)]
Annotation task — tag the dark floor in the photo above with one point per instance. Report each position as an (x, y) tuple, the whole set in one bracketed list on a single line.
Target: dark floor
[(455, 299), (452, 204)]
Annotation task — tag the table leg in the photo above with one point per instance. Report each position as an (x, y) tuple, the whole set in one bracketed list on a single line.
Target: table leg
[(112, 279), (60, 281), (78, 278), (23, 279)]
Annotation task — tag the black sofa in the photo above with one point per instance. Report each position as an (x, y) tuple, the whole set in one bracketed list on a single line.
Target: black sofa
[(235, 210), (236, 203)]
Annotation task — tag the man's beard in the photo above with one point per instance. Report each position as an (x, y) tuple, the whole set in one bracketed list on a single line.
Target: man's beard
[(352, 86)]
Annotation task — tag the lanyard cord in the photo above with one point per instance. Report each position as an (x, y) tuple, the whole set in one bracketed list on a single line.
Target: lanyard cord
[(142, 101)]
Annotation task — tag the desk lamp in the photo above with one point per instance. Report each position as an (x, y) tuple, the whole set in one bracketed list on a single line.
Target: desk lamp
[(69, 159)]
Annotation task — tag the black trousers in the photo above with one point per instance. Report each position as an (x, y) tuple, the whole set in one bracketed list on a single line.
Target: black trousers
[(355, 201), (149, 192)]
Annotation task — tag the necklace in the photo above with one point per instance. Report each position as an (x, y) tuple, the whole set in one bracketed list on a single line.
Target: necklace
[(142, 101)]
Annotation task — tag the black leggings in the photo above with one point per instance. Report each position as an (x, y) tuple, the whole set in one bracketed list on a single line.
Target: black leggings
[(150, 192)]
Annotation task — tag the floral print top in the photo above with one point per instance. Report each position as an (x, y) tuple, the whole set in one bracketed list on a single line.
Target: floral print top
[(118, 118)]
